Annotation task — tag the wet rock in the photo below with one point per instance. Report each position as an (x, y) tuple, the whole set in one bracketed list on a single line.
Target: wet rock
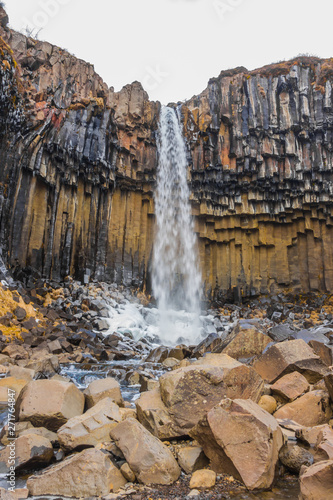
[(295, 457), (203, 479), (188, 393), (150, 460), (289, 356), (86, 474), (91, 428), (158, 355), (290, 387), (316, 481), (29, 451), (36, 405), (209, 344), (241, 439), (101, 325), (192, 458), (103, 388), (309, 410), (170, 362)]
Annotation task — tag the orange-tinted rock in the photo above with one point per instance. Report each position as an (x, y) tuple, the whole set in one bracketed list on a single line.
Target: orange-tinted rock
[(290, 387), (246, 341), (241, 439), (316, 482), (289, 356), (309, 410)]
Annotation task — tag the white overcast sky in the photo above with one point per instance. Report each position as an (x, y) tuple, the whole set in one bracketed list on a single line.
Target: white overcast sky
[(174, 46)]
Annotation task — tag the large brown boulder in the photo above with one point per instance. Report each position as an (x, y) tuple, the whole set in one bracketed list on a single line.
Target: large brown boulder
[(29, 451), (309, 410), (316, 482), (246, 341), (91, 428), (49, 403), (87, 474), (103, 388), (290, 387), (188, 393), (14, 384), (150, 460), (241, 439), (290, 356)]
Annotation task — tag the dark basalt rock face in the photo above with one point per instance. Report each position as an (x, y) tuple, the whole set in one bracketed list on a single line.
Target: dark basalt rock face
[(79, 169)]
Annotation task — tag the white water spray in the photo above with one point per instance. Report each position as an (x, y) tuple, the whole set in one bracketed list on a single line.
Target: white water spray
[(176, 277)]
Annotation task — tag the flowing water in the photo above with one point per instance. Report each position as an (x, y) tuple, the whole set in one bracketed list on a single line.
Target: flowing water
[(176, 276)]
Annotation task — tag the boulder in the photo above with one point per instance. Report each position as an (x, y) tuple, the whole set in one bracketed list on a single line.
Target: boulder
[(6, 434), (295, 457), (324, 445), (13, 384), (290, 387), (192, 458), (241, 439), (289, 356), (91, 428), (45, 365), (245, 341), (310, 435), (40, 431), (49, 403), (28, 451), (103, 388), (150, 460), (21, 373), (188, 393), (268, 403), (280, 333), (316, 481), (16, 351), (309, 410), (323, 351), (203, 479), (87, 474), (154, 415)]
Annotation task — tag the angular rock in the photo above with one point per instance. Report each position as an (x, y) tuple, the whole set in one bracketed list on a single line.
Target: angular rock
[(40, 431), (316, 481), (310, 435), (150, 460), (15, 351), (241, 439), (281, 332), (246, 341), (188, 393), (127, 473), (309, 410), (203, 479), (192, 458), (290, 387), (286, 357), (29, 451), (11, 384), (324, 445), (49, 403), (154, 415), (103, 388), (91, 428), (21, 373), (86, 474)]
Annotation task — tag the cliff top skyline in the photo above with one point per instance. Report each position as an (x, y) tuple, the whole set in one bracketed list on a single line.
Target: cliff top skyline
[(173, 47)]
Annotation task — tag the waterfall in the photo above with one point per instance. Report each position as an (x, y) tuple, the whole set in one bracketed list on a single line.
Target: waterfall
[(176, 277)]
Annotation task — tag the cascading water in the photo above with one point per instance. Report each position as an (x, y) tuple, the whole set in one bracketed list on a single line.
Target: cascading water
[(176, 276)]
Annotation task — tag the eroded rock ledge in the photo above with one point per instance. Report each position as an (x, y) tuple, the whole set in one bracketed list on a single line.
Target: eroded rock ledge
[(79, 167)]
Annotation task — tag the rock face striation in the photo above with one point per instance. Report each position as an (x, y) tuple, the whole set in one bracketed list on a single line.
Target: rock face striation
[(79, 171)]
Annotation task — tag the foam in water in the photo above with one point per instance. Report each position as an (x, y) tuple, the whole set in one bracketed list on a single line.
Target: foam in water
[(176, 278)]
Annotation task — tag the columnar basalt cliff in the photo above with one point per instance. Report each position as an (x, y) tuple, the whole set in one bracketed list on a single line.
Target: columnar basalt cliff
[(78, 171)]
